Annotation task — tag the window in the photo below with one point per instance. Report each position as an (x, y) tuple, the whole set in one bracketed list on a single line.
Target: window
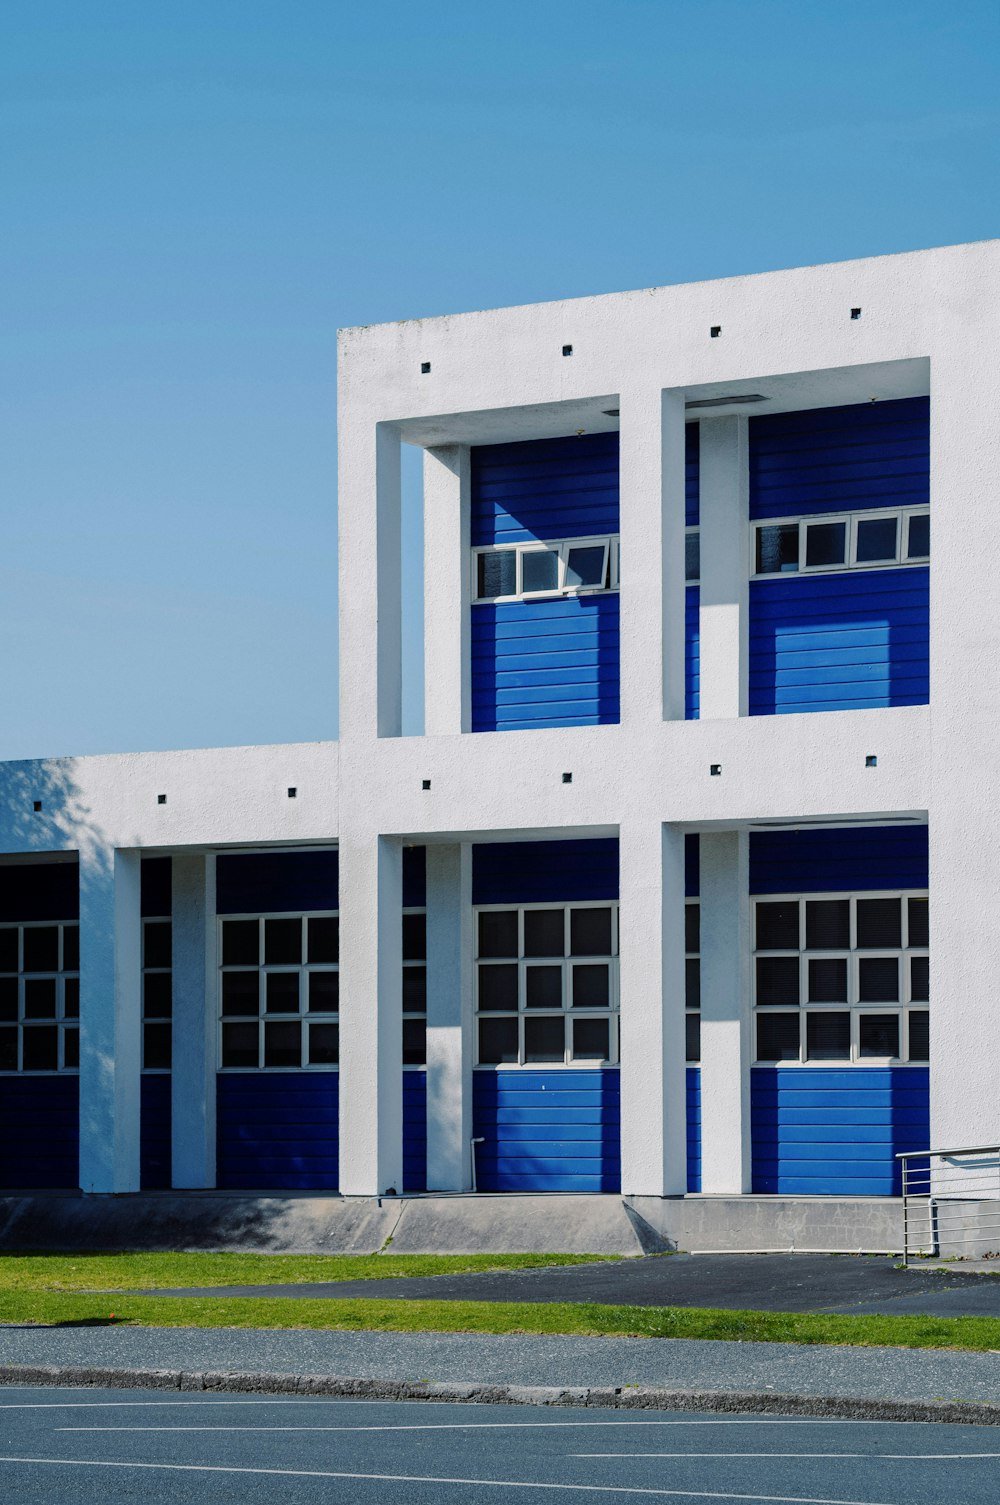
[(547, 984), (870, 540), (414, 987), (279, 985), (692, 978), (692, 556), (566, 567), (841, 977), (39, 997), (157, 998)]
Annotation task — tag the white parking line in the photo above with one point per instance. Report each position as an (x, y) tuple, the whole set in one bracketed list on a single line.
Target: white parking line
[(482, 1426), (898, 1457)]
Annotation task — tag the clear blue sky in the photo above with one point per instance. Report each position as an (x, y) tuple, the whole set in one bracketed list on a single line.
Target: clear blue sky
[(196, 195)]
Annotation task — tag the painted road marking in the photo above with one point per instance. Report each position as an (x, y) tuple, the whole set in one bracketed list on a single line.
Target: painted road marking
[(472, 1426), (921, 1457)]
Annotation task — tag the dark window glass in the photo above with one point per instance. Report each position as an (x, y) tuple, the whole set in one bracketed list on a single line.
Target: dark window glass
[(692, 927), (828, 1037), (590, 932), (828, 924), (543, 1039), (692, 1036), (8, 1048), (240, 943), (919, 542), (585, 565), (8, 997), (71, 998), (414, 1042), (239, 1045), (41, 948), (828, 980), (282, 942), (692, 982), (497, 987), (156, 1047), (778, 925), (878, 1035), (919, 979), (157, 995), (414, 990), (324, 992), (591, 986), (324, 938), (414, 937), (692, 556), (544, 933), (498, 933), (40, 1048), (282, 1045), (878, 979), (282, 992), (539, 570), (71, 1049), (543, 988), (240, 993), (71, 948), (591, 1039), (9, 961), (778, 549), (876, 540), (778, 1037), (40, 998), (920, 1036), (497, 574), (156, 943), (917, 918), (826, 543), (497, 1041), (777, 979), (324, 1044), (879, 924)]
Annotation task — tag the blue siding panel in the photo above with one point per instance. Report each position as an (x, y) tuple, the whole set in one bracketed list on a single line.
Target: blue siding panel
[(545, 663), (532, 872), (277, 1131), (836, 1132), (414, 1131), (838, 861), (840, 459), (692, 653), (852, 641), (566, 1135), (693, 1128), (39, 1132), (545, 488), (154, 1131), (263, 882)]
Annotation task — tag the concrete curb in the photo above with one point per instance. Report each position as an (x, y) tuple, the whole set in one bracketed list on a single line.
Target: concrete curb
[(630, 1397)]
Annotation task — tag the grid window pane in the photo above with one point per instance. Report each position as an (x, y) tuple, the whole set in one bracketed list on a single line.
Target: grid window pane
[(283, 1044), (778, 1037), (777, 979), (828, 980), (585, 565), (71, 948), (324, 992), (778, 549), (544, 932), (497, 574), (878, 1035), (497, 1041), (828, 924), (282, 992), (40, 1048), (919, 979), (9, 949), (692, 927), (828, 1037), (543, 987), (919, 541), (917, 926), (8, 1048), (240, 943), (591, 1039), (40, 998), (157, 995), (880, 924), (591, 985), (590, 932), (414, 990), (778, 925), (156, 943), (414, 937), (920, 1036), (71, 998), (544, 1039), (240, 1045), (41, 948), (692, 556), (283, 942), (414, 1042), (692, 983), (692, 1036), (498, 987), (878, 979), (156, 1047), (71, 1049), (8, 998), (240, 993), (877, 540), (539, 570), (324, 938), (498, 933), (826, 544), (324, 1044)]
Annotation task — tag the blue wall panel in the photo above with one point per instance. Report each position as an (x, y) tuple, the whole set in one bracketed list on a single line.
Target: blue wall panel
[(414, 1131), (547, 1130), (693, 1128), (262, 882), (545, 488), (545, 663), (835, 1132), (39, 1132), (533, 872), (277, 1130), (839, 861), (154, 1131), (840, 459), (692, 653), (839, 642)]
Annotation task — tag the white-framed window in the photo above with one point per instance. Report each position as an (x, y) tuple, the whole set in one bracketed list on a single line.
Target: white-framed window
[(692, 556), (692, 979), (874, 540), (157, 994), (549, 567), (40, 997), (279, 992), (414, 987), (841, 977), (546, 985)]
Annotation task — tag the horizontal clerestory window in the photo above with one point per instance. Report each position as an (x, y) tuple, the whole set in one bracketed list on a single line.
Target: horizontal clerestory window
[(280, 992), (526, 571), (547, 984), (39, 997), (851, 541), (842, 977), (157, 994)]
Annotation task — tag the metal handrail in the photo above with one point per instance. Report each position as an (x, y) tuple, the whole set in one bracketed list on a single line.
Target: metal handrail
[(950, 1200)]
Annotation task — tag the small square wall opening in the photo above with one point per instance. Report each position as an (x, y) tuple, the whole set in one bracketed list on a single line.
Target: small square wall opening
[(161, 799), (871, 761), (715, 331), (36, 806), (425, 784), (715, 769), (567, 350), (855, 313), (567, 778), (425, 368), (293, 792)]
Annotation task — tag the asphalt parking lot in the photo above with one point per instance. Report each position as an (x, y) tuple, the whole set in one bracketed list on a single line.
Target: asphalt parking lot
[(84, 1447)]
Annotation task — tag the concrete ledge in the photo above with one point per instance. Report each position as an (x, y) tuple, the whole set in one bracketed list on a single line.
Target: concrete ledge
[(556, 1224), (632, 1397), (775, 1225)]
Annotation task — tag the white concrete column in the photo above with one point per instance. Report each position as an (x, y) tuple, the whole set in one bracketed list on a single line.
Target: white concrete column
[(449, 1017), (195, 1026), (110, 1019), (725, 568), (447, 591), (652, 555), (371, 1015), (653, 1069), (726, 1022)]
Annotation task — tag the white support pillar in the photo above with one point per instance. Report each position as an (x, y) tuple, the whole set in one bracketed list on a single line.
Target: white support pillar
[(371, 1016), (195, 1028), (726, 1022), (725, 568), (447, 591), (652, 555), (449, 1017), (110, 1019), (653, 1068)]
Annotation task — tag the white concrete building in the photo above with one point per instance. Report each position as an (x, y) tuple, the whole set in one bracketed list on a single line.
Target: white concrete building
[(701, 708)]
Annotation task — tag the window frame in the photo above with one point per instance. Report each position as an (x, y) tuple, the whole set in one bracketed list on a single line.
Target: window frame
[(147, 1018), (416, 964), (803, 521), (561, 547), (263, 969), (690, 1011), (692, 531), (59, 1020)]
